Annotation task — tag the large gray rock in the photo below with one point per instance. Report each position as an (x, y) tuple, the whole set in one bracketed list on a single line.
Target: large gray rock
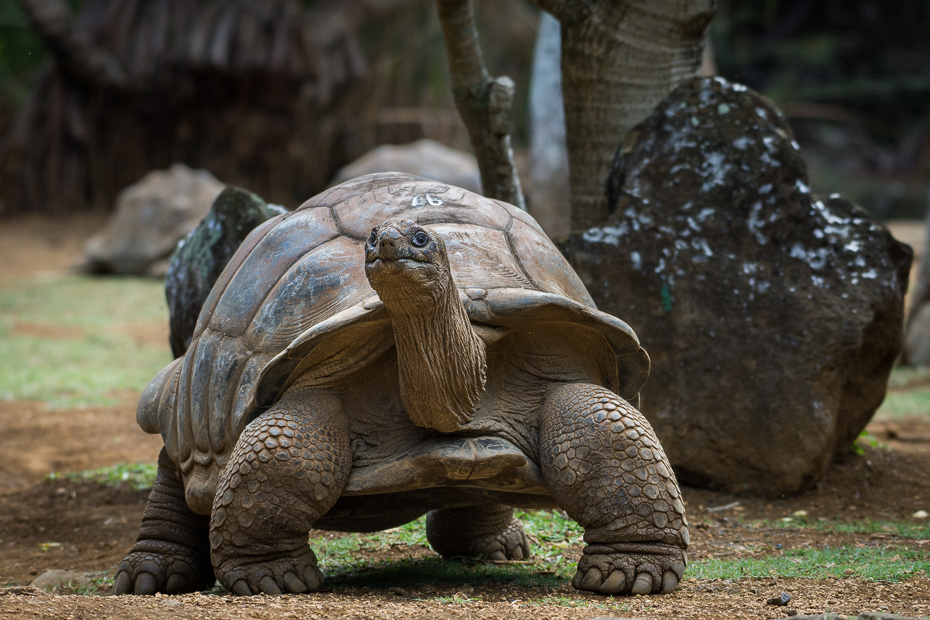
[(424, 158), (772, 317), (151, 216)]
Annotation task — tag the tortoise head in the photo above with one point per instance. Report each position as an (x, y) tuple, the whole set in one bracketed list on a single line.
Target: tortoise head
[(404, 260)]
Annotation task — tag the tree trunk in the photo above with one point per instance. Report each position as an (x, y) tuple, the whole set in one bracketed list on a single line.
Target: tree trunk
[(484, 103), (620, 58), (549, 192), (917, 333)]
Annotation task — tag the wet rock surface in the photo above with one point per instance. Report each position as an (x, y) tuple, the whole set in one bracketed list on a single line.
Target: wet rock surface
[(202, 255), (772, 316), (151, 216)]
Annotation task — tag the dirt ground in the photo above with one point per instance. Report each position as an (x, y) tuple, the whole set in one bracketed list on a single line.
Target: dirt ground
[(81, 526)]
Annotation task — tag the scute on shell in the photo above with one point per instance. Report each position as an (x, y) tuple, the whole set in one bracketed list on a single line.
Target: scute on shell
[(298, 281)]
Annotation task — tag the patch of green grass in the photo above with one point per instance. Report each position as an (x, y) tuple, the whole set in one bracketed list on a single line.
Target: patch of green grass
[(550, 531), (914, 402), (874, 564), (73, 373), (439, 571), (84, 301), (908, 395), (341, 558), (99, 584), (905, 377), (904, 529), (98, 359), (140, 476), (565, 601)]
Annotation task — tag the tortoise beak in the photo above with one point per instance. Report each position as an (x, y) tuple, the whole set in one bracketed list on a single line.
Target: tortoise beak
[(388, 243)]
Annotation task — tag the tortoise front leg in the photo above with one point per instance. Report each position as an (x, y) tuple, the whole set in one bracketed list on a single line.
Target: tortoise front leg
[(287, 469), (171, 553), (488, 530), (604, 466)]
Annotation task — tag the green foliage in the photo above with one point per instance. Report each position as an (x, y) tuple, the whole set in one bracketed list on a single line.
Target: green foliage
[(97, 358), (140, 476), (865, 439), (873, 564)]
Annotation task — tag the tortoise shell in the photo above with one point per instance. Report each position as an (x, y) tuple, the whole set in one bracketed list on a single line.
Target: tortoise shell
[(298, 281)]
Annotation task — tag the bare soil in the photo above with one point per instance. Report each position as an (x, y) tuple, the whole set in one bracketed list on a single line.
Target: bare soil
[(81, 526)]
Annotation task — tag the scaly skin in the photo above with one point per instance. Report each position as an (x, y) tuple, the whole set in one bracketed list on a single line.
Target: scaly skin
[(288, 468), (487, 530), (604, 466), (171, 552)]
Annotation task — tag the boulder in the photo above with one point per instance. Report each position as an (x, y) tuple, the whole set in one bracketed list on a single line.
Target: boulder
[(203, 254), (424, 158), (55, 579), (150, 218), (772, 317)]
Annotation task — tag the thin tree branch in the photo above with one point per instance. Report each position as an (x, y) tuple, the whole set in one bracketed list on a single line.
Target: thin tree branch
[(483, 102), (75, 53)]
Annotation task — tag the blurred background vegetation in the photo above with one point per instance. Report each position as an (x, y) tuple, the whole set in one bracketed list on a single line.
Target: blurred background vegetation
[(853, 78)]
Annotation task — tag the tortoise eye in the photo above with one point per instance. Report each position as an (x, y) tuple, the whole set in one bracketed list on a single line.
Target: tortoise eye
[(374, 236), (420, 239)]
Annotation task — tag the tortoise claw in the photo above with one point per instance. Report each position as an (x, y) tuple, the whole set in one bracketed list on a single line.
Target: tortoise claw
[(592, 580), (294, 574), (146, 584), (643, 584), (176, 584), (268, 586), (241, 588), (614, 584), (669, 582), (293, 585), (122, 584), (609, 570)]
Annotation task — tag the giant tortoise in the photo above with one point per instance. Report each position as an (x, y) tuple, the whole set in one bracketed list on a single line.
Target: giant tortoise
[(398, 347)]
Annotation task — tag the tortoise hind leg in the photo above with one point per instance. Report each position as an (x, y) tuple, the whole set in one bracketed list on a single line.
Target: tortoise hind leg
[(171, 553), (488, 530), (288, 468), (604, 466)]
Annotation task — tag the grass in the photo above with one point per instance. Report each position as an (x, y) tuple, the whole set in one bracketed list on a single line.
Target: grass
[(873, 564), (903, 529), (550, 530), (908, 394), (98, 360), (139, 476)]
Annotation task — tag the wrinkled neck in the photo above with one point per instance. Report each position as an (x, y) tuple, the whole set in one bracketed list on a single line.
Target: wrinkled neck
[(441, 359)]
